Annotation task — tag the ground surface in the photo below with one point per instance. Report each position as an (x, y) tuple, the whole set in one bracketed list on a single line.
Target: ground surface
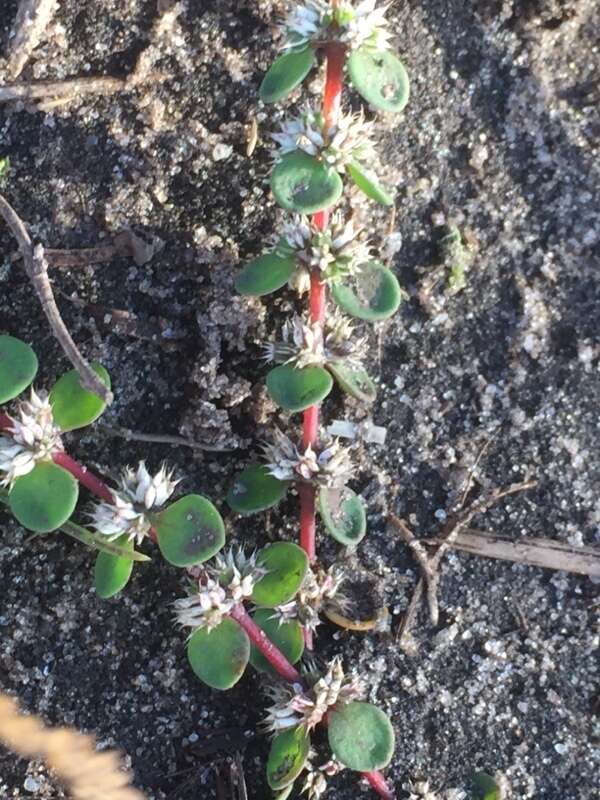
[(501, 135)]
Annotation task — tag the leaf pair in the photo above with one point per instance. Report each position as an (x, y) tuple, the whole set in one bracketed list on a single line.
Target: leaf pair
[(378, 76), (342, 511), (72, 406), (302, 183), (219, 657), (371, 294), (360, 736)]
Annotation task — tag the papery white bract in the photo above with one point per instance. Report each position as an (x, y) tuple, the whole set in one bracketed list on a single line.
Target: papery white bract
[(32, 437), (138, 493)]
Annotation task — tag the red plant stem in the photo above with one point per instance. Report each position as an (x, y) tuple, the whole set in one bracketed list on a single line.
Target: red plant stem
[(5, 422), (379, 784), (334, 82), (280, 663), (260, 640), (83, 475)]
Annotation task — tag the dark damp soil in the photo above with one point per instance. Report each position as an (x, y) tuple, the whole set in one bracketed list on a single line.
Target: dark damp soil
[(500, 137)]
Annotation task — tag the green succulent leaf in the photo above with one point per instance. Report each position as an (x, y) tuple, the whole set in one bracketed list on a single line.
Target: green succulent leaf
[(287, 636), (286, 566), (102, 543), (355, 381), (18, 367), (4, 169), (343, 515), (305, 184), (219, 657), (380, 77), (369, 184), (189, 531), (485, 787), (288, 755), (295, 389), (361, 736), (112, 572), (255, 489), (286, 72), (73, 406), (284, 793), (45, 498), (265, 274), (372, 294)]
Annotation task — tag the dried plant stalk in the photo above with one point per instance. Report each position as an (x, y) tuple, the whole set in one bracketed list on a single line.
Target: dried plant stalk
[(88, 775), (33, 17)]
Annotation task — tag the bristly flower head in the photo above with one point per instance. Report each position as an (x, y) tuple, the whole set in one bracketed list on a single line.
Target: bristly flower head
[(292, 705), (32, 437), (229, 581), (349, 140), (331, 467), (317, 589), (138, 493), (315, 784), (316, 22), (308, 344), (337, 252)]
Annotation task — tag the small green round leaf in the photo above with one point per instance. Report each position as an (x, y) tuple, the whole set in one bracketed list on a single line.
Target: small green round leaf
[(189, 531), (219, 657), (44, 498), (372, 294), (295, 389), (355, 381), (369, 184), (361, 736), (18, 367), (380, 77), (288, 755), (287, 636), (265, 274), (255, 489), (343, 515), (73, 406), (112, 573), (305, 184), (286, 566), (286, 72)]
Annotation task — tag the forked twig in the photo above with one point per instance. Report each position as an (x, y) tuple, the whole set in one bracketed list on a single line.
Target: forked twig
[(430, 564), (36, 267)]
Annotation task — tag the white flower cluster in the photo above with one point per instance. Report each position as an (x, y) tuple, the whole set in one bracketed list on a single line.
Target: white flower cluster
[(332, 467), (305, 345), (317, 588), (138, 493), (317, 22), (315, 784), (348, 140), (294, 706), (336, 252), (230, 581), (32, 437)]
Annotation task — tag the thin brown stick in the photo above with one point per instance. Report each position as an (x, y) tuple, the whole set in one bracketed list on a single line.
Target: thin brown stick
[(33, 17), (159, 438), (36, 268), (75, 259), (545, 553)]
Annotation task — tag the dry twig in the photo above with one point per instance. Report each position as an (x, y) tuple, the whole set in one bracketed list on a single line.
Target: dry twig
[(89, 775), (36, 267), (545, 553), (430, 564), (159, 438), (33, 17)]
